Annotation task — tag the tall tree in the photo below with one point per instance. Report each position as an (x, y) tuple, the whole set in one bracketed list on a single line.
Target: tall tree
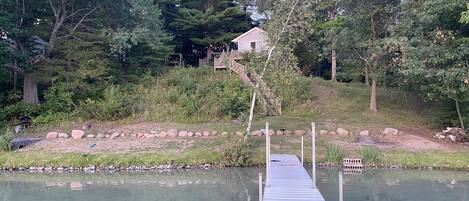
[(368, 32), (205, 26), (436, 60), (39, 24)]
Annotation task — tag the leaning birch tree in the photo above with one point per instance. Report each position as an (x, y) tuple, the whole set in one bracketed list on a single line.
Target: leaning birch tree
[(286, 27)]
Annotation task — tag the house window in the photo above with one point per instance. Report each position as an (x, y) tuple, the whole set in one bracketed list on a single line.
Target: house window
[(253, 45)]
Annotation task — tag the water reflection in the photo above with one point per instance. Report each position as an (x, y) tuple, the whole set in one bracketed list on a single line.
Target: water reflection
[(397, 185), (228, 185)]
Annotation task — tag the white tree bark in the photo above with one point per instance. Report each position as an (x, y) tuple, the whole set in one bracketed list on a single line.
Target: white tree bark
[(256, 87)]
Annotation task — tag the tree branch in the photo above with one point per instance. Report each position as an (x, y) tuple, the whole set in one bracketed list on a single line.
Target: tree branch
[(79, 22), (15, 68)]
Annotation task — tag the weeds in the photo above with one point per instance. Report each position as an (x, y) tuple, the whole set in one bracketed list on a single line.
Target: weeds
[(371, 155), (6, 140), (334, 155)]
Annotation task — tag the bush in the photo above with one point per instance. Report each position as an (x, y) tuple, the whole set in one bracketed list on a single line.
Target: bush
[(115, 104), (237, 153), (371, 155), (334, 155), (6, 140), (13, 112), (194, 95)]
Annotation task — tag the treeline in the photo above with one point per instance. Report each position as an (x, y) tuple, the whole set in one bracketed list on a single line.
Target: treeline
[(68, 55)]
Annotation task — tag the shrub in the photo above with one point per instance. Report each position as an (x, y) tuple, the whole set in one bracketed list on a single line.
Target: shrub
[(237, 153), (371, 155), (6, 140), (12, 112), (115, 104), (334, 154)]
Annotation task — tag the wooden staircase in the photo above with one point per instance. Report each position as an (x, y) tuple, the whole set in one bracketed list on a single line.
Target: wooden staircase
[(271, 104)]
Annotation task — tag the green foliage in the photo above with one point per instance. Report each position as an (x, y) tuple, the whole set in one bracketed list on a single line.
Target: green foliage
[(334, 154), (115, 104), (465, 16), (195, 94), (237, 153), (12, 112), (371, 155), (6, 140)]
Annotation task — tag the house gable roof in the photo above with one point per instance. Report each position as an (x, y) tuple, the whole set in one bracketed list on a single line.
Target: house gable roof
[(246, 33)]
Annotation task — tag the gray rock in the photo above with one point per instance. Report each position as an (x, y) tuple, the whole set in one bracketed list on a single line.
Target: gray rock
[(190, 134), (182, 134), (342, 132), (390, 132), (52, 135), (288, 132), (115, 135), (214, 133), (172, 133), (279, 133), (299, 132), (91, 136), (63, 135), (147, 135), (100, 135), (206, 133), (257, 133), (78, 134), (163, 134), (323, 132), (198, 134), (364, 133)]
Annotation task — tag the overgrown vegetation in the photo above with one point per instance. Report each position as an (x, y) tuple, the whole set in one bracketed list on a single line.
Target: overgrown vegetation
[(6, 140), (371, 155), (334, 154), (237, 153)]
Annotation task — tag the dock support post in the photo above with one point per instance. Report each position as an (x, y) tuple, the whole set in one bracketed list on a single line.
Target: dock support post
[(341, 187), (302, 151), (267, 148), (313, 139), (260, 186)]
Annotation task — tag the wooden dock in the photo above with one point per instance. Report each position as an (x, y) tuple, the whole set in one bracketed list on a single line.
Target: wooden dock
[(288, 180)]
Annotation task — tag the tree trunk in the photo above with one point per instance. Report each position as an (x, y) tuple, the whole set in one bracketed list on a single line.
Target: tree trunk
[(209, 53), (373, 95), (30, 94), (367, 78), (334, 66), (332, 14), (459, 114)]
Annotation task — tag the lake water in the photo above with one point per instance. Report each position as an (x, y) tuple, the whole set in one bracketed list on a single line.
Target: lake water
[(229, 184)]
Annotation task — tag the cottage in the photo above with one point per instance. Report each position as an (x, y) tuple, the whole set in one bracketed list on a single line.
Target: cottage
[(253, 40)]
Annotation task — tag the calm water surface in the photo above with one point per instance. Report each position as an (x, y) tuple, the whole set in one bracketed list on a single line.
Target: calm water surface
[(228, 185)]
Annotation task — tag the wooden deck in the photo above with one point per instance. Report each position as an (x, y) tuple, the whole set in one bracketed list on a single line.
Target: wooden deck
[(287, 180)]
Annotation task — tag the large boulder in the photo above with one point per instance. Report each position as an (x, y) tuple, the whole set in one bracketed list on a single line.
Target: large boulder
[(257, 133), (115, 135), (190, 134), (63, 135), (182, 134), (163, 134), (52, 135), (78, 134), (390, 132), (279, 133), (206, 133), (323, 132), (299, 132), (172, 133), (288, 132), (364, 133), (342, 132)]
